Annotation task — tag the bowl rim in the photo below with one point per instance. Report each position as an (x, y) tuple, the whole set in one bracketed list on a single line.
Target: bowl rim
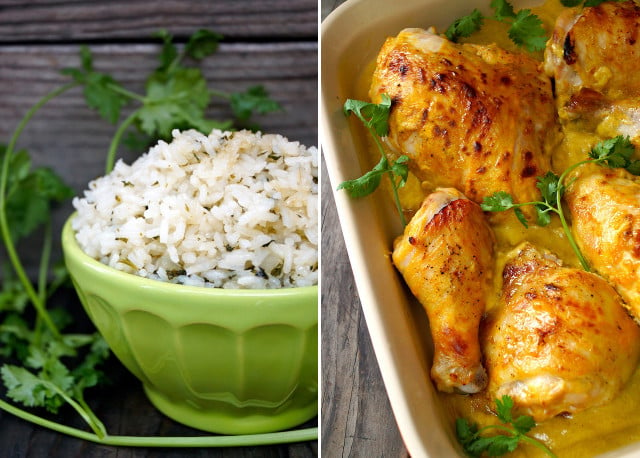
[(71, 248)]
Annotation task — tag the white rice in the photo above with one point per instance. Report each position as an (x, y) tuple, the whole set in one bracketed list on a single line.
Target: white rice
[(229, 210)]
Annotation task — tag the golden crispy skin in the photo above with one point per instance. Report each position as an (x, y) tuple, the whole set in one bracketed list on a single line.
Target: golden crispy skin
[(604, 205), (560, 340), (445, 256), (594, 57), (472, 117)]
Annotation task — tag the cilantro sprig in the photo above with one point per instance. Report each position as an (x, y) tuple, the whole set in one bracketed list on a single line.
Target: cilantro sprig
[(375, 118), (615, 152), (176, 95), (513, 432), (46, 379), (525, 28), (43, 365)]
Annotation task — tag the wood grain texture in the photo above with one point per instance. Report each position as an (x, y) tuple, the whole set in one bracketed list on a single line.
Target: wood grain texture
[(272, 43), (69, 20), (355, 410), (357, 420)]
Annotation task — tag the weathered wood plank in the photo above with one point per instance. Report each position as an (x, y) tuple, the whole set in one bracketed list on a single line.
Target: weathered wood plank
[(356, 414), (68, 20)]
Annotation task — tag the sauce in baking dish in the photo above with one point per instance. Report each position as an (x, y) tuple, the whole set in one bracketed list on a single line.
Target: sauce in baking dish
[(597, 429)]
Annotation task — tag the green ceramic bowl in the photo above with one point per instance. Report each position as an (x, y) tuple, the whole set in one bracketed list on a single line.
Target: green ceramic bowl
[(223, 361)]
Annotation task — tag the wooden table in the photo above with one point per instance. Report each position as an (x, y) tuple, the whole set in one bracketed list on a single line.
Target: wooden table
[(273, 43), (355, 411)]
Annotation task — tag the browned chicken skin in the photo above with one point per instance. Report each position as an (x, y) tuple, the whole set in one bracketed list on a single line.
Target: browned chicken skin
[(445, 256), (594, 57), (604, 205), (472, 117), (559, 341)]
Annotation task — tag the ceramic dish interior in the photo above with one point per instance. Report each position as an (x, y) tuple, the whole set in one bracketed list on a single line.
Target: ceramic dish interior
[(351, 37)]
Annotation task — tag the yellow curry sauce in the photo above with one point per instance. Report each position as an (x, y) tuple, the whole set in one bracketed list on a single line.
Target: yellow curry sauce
[(595, 430)]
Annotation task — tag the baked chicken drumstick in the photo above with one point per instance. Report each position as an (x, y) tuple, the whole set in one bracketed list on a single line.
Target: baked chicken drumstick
[(445, 257)]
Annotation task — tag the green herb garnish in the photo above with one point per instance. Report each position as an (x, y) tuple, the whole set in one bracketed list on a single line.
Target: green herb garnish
[(525, 28), (514, 431), (176, 95), (375, 118), (614, 153)]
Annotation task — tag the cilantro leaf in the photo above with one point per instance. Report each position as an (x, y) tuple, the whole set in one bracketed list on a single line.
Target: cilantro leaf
[(527, 30), (255, 99), (465, 431), (14, 336), (502, 444), (634, 167), (549, 185), (87, 374), (172, 101), (367, 183), (512, 432), (13, 297), (100, 90), (202, 43), (497, 202), (22, 385), (502, 9), (570, 3), (465, 26), (616, 152), (523, 424), (503, 408), (597, 2), (169, 53), (30, 194), (373, 116), (177, 96), (400, 167)]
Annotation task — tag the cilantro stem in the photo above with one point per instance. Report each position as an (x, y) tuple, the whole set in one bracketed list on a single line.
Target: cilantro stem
[(44, 262), (166, 441), (42, 278), (394, 185), (87, 415), (115, 141), (125, 92), (537, 443), (520, 436), (563, 220), (4, 224)]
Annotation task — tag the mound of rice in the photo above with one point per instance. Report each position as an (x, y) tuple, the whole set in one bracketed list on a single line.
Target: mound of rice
[(230, 210)]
